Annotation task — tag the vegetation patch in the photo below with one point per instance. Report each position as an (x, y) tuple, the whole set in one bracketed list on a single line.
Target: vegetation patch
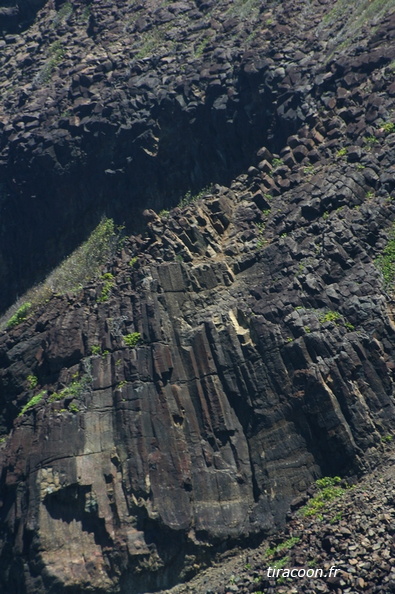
[(244, 9), (188, 198), (32, 381), (32, 402), (328, 489), (284, 546), (81, 267), (131, 340), (108, 283), (19, 316), (386, 262), (63, 14), (330, 316), (74, 390)]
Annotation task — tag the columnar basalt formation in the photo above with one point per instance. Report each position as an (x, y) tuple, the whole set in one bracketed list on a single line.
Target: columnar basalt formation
[(242, 344)]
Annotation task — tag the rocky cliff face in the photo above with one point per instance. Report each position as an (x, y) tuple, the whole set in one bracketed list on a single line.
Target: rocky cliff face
[(243, 344)]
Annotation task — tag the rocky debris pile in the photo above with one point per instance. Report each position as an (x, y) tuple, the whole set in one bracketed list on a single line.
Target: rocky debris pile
[(353, 534)]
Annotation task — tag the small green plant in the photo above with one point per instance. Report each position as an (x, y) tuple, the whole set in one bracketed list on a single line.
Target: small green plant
[(336, 519), (19, 316), (341, 152), (86, 13), (133, 261), (95, 349), (360, 166), (73, 407), (32, 402), (330, 316), (289, 339), (188, 198), (283, 235), (201, 47), (386, 262), (267, 196), (328, 490), (277, 162), (307, 329), (309, 170), (122, 384), (108, 283), (369, 194), (286, 545), (266, 212), (74, 390), (350, 327), (389, 127), (387, 438), (281, 562), (131, 340), (301, 268), (370, 141), (261, 243), (325, 215), (32, 381), (56, 54), (164, 214), (328, 481)]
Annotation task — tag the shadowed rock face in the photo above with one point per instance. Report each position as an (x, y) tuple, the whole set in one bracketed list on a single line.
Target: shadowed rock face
[(16, 16), (266, 336)]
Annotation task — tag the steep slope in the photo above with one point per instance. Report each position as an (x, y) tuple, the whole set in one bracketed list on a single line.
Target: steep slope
[(243, 344), (352, 535)]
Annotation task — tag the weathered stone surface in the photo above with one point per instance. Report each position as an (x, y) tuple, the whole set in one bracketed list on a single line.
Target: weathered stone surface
[(244, 387)]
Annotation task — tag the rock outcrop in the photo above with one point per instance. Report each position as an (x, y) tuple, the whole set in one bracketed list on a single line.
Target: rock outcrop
[(239, 347)]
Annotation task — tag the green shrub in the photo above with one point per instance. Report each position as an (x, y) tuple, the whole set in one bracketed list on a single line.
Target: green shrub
[(132, 339), (108, 283), (19, 316), (389, 127), (387, 438), (32, 402), (386, 262), (370, 140), (74, 390), (286, 545), (32, 381), (328, 490), (330, 316)]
